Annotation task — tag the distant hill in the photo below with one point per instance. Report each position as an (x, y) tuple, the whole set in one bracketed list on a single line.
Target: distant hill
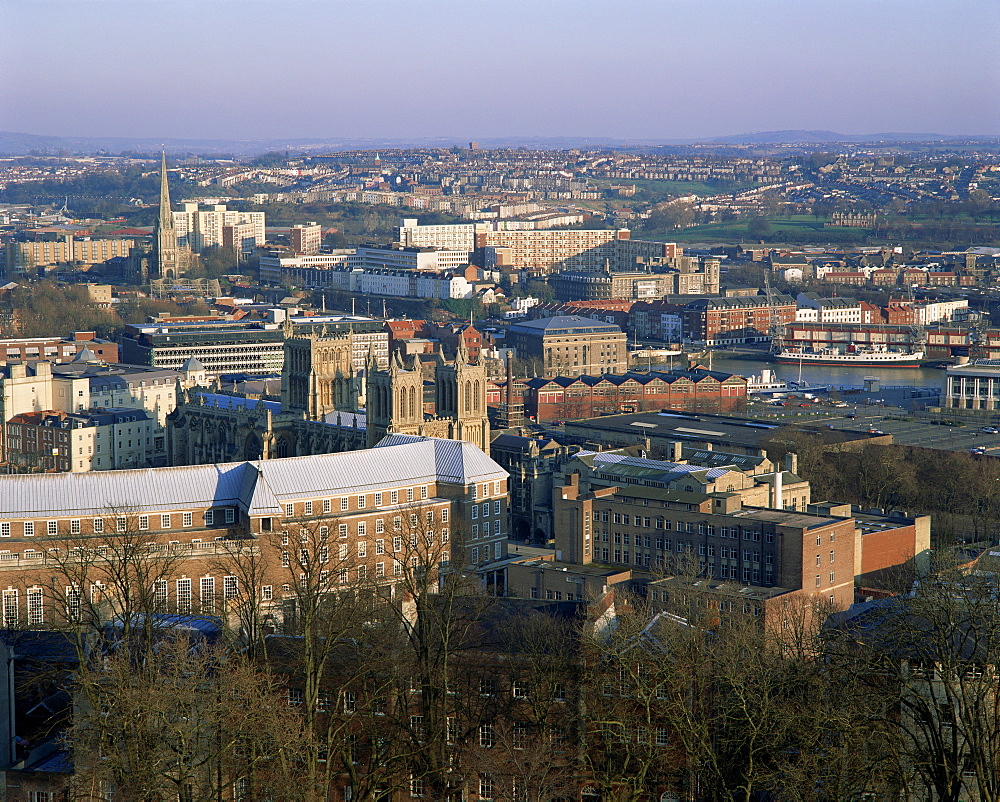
[(801, 137), (18, 144)]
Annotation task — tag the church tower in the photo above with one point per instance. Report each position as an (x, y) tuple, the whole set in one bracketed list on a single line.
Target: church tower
[(395, 399), (461, 398), (318, 374), (168, 258)]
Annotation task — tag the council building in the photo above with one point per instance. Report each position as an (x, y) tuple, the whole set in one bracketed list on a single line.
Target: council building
[(363, 516)]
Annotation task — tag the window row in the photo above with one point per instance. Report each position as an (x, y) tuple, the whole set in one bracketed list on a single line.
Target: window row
[(120, 523), (343, 503)]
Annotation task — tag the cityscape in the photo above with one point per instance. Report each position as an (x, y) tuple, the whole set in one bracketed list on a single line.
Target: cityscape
[(507, 427)]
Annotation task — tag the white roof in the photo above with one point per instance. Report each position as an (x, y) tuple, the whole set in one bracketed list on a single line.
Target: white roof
[(259, 488)]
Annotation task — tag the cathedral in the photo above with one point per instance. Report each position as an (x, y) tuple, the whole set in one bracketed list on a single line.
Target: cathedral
[(318, 412), (318, 375), (397, 403)]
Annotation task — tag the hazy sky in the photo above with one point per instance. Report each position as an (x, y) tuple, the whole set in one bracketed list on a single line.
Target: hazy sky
[(482, 68)]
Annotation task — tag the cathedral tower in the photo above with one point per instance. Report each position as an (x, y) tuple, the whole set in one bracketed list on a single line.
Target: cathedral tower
[(395, 399), (318, 375)]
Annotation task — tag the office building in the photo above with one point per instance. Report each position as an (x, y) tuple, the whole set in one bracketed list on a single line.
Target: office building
[(569, 345)]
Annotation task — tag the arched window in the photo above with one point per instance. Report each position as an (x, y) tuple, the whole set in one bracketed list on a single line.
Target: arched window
[(468, 397), (413, 402), (476, 397)]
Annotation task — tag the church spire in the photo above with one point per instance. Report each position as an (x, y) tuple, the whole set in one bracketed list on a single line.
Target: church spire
[(165, 234)]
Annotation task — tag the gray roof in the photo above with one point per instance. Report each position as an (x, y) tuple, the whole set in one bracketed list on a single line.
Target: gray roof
[(563, 324), (259, 488), (191, 365)]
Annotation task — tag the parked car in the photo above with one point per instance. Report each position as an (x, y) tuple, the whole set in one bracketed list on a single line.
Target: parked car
[(852, 415), (990, 430)]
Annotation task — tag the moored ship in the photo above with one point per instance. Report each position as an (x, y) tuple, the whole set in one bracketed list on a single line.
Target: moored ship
[(878, 355)]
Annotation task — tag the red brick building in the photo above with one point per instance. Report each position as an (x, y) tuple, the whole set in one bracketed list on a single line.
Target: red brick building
[(565, 397), (728, 321)]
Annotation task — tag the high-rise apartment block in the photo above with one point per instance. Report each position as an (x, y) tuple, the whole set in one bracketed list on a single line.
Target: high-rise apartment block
[(201, 228), (305, 238)]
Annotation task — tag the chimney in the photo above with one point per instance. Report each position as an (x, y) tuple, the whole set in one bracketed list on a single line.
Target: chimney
[(678, 453), (777, 501), (792, 462)]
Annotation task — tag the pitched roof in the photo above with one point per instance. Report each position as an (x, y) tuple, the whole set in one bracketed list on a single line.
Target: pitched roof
[(259, 488)]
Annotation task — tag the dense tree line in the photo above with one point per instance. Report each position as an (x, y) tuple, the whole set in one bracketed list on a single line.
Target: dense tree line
[(958, 489)]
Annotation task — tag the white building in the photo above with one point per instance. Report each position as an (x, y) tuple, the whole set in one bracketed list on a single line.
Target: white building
[(460, 237), (201, 228), (813, 309), (407, 258)]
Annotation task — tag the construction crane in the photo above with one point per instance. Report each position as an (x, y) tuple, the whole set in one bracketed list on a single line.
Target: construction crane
[(776, 327)]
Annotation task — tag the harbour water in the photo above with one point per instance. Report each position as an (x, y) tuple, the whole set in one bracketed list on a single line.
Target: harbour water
[(833, 375)]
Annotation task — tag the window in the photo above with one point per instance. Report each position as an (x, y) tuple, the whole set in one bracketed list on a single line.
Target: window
[(487, 788), (345, 504), (409, 494), (295, 697), (423, 492), (397, 543), (362, 529), (350, 701), (487, 736), (662, 736), (143, 524), (230, 515), (209, 517), (29, 528), (187, 519), (444, 515), (342, 530), (308, 508), (520, 689), (5, 528), (831, 557), (832, 573), (10, 609), (266, 593), (164, 522), (289, 510), (52, 527), (363, 549), (230, 587), (379, 526), (394, 497), (36, 607), (159, 595), (379, 570), (380, 547), (817, 580), (327, 505), (378, 499), (475, 511), (207, 594), (496, 507), (417, 786)]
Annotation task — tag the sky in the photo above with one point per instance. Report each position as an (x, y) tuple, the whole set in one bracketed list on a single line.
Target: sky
[(468, 69)]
